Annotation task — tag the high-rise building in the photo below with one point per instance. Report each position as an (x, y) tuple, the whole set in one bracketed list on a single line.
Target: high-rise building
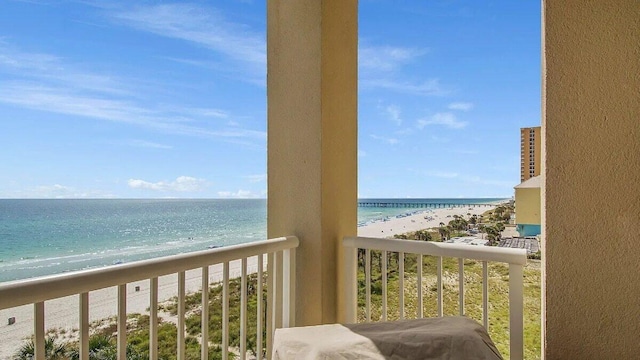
[(530, 152)]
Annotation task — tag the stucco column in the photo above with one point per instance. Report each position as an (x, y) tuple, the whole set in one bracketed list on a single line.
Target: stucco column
[(591, 216), (312, 142)]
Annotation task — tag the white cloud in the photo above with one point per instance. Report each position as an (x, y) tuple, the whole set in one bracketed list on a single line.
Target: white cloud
[(215, 113), (386, 58), (66, 101), (362, 153), (462, 106), (430, 87), (390, 141), (394, 114), (445, 119), (204, 27), (240, 194), (381, 68), (181, 184)]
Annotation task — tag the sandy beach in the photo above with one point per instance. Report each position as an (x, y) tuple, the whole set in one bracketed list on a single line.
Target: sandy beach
[(63, 313)]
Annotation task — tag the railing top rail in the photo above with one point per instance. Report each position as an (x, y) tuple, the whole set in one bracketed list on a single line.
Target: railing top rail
[(28, 291), (481, 253)]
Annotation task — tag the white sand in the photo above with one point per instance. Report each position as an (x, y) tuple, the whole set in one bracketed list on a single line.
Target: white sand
[(417, 221), (63, 313)]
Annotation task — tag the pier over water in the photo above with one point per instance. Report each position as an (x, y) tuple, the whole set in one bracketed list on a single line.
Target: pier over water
[(429, 203)]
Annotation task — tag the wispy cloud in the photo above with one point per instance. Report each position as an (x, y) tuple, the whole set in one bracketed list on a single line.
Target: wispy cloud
[(202, 26), (446, 119), (390, 141), (51, 69), (386, 58), (430, 87), (181, 184), (204, 112), (393, 112), (362, 153), (462, 106), (70, 101), (381, 67)]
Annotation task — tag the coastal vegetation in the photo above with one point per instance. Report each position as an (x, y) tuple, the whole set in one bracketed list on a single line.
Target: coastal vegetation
[(498, 295)]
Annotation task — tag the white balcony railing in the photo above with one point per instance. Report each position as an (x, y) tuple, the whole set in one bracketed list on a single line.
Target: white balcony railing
[(279, 310), (516, 258), (280, 307)]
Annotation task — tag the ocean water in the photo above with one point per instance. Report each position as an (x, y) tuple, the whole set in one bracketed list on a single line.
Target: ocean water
[(42, 237)]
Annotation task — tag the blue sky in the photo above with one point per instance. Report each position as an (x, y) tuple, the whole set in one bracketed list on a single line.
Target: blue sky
[(155, 99)]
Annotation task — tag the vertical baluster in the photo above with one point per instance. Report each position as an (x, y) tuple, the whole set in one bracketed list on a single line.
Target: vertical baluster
[(289, 287), (277, 294), (384, 285), (204, 325), (461, 284), (439, 271), (38, 329), (153, 318), (485, 295), (122, 322), (516, 294), (259, 308), (270, 286), (420, 300), (84, 326), (243, 310), (181, 316), (225, 311), (401, 284), (367, 276)]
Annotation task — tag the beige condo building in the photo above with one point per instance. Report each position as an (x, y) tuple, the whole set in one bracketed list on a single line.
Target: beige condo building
[(530, 152)]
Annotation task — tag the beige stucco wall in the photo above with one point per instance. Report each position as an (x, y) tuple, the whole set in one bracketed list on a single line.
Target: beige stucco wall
[(591, 213), (312, 142), (528, 206)]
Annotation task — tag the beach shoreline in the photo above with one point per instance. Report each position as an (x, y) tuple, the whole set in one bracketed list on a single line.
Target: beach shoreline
[(62, 313)]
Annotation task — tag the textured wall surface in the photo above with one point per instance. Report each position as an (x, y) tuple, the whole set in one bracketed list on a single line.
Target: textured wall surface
[(312, 142), (592, 179)]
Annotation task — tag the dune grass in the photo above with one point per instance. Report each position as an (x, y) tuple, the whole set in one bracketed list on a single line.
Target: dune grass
[(498, 296)]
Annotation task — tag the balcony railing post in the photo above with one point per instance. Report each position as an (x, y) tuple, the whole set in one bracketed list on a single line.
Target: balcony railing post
[(84, 326), (38, 328), (289, 296), (516, 299), (122, 322), (278, 290), (351, 284)]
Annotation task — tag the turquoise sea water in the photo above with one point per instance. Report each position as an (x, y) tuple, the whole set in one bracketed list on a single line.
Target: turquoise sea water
[(42, 237)]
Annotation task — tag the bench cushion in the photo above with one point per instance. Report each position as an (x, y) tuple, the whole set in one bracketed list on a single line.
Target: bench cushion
[(454, 337)]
